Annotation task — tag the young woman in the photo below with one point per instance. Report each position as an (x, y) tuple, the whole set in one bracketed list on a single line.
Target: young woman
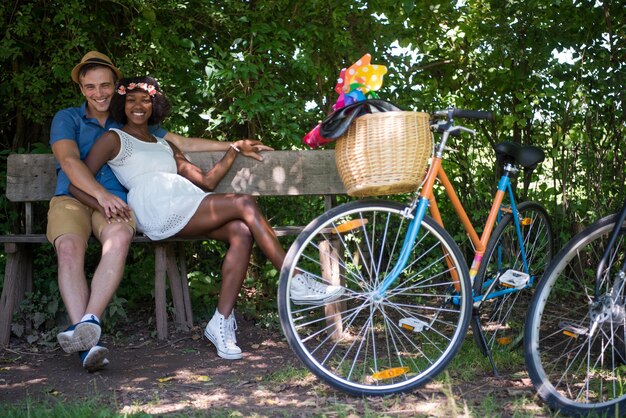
[(170, 196)]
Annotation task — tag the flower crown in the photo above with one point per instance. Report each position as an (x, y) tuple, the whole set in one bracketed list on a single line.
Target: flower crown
[(149, 88)]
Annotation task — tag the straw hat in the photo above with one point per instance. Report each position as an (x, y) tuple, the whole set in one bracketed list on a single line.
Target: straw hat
[(94, 57)]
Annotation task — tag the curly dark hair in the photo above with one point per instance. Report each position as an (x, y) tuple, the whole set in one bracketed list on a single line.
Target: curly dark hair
[(160, 105)]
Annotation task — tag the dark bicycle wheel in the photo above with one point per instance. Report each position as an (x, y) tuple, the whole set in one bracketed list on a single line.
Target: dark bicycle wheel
[(507, 283), (368, 342), (574, 339)]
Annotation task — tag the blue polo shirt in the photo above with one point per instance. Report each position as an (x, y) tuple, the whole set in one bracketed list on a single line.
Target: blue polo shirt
[(73, 123)]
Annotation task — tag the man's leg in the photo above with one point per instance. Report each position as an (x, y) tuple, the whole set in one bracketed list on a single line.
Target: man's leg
[(69, 228), (73, 286), (115, 239), (85, 331)]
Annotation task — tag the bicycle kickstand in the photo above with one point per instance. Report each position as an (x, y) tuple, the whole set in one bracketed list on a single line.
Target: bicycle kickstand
[(483, 344)]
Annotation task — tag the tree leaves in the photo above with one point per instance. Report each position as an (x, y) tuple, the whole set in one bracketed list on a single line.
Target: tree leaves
[(267, 69)]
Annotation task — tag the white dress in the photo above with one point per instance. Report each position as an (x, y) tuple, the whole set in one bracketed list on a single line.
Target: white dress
[(162, 200)]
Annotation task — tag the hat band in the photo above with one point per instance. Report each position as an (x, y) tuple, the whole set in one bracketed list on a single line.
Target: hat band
[(97, 61)]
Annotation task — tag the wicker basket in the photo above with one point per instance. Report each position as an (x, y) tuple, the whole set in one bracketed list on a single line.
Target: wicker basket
[(384, 153)]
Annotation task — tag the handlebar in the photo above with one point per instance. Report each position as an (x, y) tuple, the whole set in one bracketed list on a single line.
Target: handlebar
[(448, 125), (464, 114)]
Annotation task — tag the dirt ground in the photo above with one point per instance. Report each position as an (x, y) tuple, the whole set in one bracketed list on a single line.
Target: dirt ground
[(183, 375)]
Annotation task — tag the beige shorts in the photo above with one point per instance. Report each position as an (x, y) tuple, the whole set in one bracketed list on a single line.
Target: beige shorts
[(67, 215)]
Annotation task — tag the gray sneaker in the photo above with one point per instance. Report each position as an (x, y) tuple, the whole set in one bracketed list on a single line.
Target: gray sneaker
[(80, 337), (306, 290), (94, 359)]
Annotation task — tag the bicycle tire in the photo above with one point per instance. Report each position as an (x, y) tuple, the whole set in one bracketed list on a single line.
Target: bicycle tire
[(577, 368), (366, 351), (502, 318)]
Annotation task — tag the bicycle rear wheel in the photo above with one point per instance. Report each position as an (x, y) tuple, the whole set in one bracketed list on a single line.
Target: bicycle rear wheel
[(369, 345), (574, 342), (506, 283)]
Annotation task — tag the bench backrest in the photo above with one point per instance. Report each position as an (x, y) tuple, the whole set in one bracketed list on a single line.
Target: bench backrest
[(32, 177)]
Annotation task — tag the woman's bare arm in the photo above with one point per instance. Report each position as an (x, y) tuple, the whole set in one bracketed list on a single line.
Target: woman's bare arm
[(111, 206), (205, 180)]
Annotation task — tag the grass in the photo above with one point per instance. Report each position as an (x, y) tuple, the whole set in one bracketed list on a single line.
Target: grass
[(470, 361), (60, 409), (287, 374)]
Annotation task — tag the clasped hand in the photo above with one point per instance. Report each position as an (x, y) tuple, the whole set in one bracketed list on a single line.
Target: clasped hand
[(114, 209)]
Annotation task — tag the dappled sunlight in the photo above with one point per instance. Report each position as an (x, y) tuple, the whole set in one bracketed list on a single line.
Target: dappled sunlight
[(22, 376), (25, 384), (278, 175), (241, 180), (281, 173), (184, 376)]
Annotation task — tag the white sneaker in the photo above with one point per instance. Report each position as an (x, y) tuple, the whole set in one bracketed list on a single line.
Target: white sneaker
[(221, 332), (306, 290), (231, 327)]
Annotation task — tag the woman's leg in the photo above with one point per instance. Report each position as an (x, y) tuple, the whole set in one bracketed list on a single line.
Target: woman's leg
[(221, 328), (239, 240), (235, 232), (217, 210)]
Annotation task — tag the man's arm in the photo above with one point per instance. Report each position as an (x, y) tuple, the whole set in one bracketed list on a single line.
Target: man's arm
[(67, 154), (200, 144)]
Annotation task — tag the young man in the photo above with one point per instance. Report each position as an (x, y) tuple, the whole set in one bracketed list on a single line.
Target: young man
[(70, 223)]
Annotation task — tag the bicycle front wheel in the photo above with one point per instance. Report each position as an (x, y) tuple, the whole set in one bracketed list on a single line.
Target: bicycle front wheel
[(574, 338), (370, 342), (506, 282)]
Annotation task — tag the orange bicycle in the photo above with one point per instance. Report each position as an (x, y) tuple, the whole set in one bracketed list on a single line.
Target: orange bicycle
[(409, 296)]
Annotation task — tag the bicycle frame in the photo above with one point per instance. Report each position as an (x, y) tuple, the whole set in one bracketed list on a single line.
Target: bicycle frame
[(426, 200), (607, 252)]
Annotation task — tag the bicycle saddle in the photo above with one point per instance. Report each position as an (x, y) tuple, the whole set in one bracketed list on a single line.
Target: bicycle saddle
[(526, 156), (337, 123)]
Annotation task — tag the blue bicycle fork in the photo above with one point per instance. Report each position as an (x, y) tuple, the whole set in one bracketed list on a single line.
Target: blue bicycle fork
[(405, 251)]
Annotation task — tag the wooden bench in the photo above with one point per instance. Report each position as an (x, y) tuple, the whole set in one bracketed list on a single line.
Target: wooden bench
[(32, 178)]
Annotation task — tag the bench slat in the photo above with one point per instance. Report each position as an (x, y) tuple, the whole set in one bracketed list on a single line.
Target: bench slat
[(30, 177), (281, 231), (282, 173)]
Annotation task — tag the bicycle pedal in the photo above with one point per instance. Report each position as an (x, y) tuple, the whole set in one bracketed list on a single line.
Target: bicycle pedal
[(515, 279), (573, 330), (413, 324)]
